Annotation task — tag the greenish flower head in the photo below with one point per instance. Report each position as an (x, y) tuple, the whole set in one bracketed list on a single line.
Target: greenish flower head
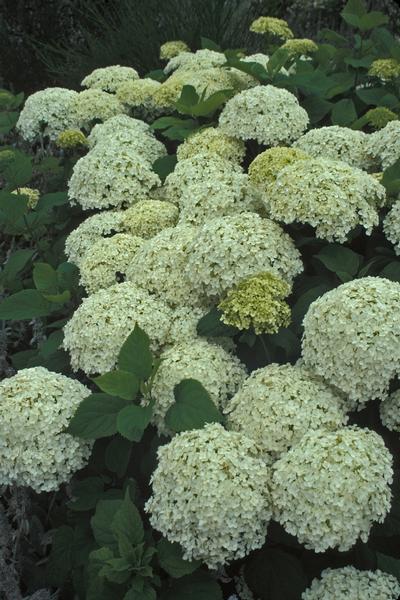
[(300, 46), (32, 194), (380, 116), (266, 166), (385, 68), (272, 26), (257, 302), (71, 138), (172, 49)]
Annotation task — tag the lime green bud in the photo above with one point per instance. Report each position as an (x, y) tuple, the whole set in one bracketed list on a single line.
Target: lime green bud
[(71, 138), (272, 26), (385, 68), (266, 166), (172, 49), (32, 194), (257, 302), (380, 116), (300, 46)]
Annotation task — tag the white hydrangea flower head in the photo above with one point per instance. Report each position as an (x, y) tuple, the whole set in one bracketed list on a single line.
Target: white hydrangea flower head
[(338, 143), (138, 97), (348, 583), (352, 337), (384, 144), (264, 169), (36, 406), (229, 249), (214, 142), (111, 175), (172, 48), (220, 372), (184, 324), (210, 494), (116, 125), (194, 61), (94, 105), (270, 115), (328, 195), (258, 57), (47, 113), (110, 78), (206, 81), (146, 218), (108, 261), (278, 404), (390, 411), (332, 486), (98, 328), (90, 231), (391, 226), (159, 264)]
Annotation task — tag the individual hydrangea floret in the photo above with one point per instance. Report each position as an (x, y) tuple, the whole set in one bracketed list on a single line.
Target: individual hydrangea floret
[(138, 97), (329, 195), (384, 145), (159, 265), (218, 371), (337, 143), (146, 218), (379, 117), (350, 583), (32, 194), (391, 226), (229, 249), (96, 331), (390, 411), (332, 486), (214, 142), (108, 261), (173, 48), (46, 113), (111, 175), (272, 26), (109, 78), (210, 494), (278, 404), (270, 115), (71, 138), (36, 406), (257, 302), (352, 337), (266, 166), (193, 61), (93, 105), (301, 46), (385, 69)]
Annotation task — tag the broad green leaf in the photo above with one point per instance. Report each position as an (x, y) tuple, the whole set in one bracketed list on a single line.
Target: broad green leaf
[(15, 264), (147, 592), (68, 276), (303, 303), (156, 74), (344, 112), (193, 407), (50, 201), (45, 278), (61, 298), (391, 178), (179, 133), (128, 522), (274, 574), (26, 304), (212, 103), (101, 524), (12, 209), (164, 165), (170, 559), (187, 99), (133, 420), (371, 96), (372, 19), (61, 556), (8, 121), (164, 122), (86, 493), (117, 455), (52, 343), (340, 260), (388, 564), (96, 417), (118, 383), (278, 60), (339, 84), (135, 355), (18, 172), (392, 271), (251, 68), (316, 107), (210, 44), (210, 325), (353, 11), (198, 586)]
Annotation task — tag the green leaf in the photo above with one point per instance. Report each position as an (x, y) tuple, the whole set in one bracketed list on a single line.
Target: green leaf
[(61, 298), (45, 278), (251, 68), (96, 417), (210, 325), (388, 564), (15, 264), (86, 493), (50, 201), (372, 19), (198, 586), (353, 11), (273, 574), (133, 420), (187, 99), (12, 208), (317, 108), (303, 303), (68, 276), (371, 96), (193, 407), (117, 455), (339, 84), (170, 559), (51, 344), (118, 383), (135, 355), (101, 524), (209, 44), (212, 103), (344, 112), (61, 556), (26, 304), (156, 74), (391, 271), (164, 165), (164, 122), (391, 178), (128, 522), (340, 260), (147, 592), (18, 172), (8, 120)]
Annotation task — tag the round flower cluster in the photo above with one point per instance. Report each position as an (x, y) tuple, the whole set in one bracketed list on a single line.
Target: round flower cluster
[(159, 264), (390, 411), (146, 218), (204, 81), (266, 166), (98, 328), (272, 26), (210, 495), (173, 48), (167, 94), (384, 145), (385, 69), (352, 337), (379, 117), (32, 194), (300, 46), (270, 115), (138, 97), (229, 249), (329, 195), (257, 302), (212, 141), (71, 138), (194, 61), (391, 226), (47, 113), (337, 143), (331, 487), (349, 583), (35, 408), (94, 105), (218, 371), (120, 124), (108, 261), (278, 404), (109, 78), (111, 175)]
